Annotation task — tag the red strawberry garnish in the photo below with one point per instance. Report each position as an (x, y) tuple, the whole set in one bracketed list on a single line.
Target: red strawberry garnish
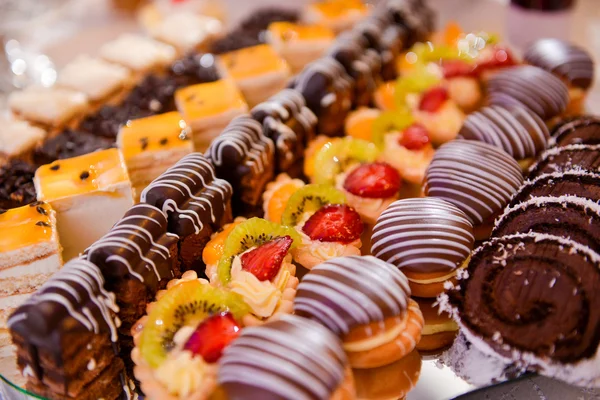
[(375, 180), (265, 261), (495, 57), (414, 137), (432, 100), (455, 68), (334, 223), (212, 336)]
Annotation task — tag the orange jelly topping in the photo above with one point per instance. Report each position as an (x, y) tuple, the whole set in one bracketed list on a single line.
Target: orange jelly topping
[(25, 226), (338, 8), (209, 99), (253, 61), (288, 31)]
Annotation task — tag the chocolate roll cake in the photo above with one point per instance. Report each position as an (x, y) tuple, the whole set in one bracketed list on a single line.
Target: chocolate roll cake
[(291, 125), (571, 182), (584, 129), (243, 156), (516, 130), (581, 157), (291, 358), (196, 203), (571, 217), (565, 60), (66, 337), (16, 184), (476, 177), (533, 300), (70, 143), (531, 87), (137, 258), (328, 91)]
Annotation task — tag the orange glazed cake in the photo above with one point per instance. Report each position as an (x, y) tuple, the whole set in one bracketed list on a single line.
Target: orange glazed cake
[(90, 193), (208, 108), (153, 144), (339, 15), (29, 255)]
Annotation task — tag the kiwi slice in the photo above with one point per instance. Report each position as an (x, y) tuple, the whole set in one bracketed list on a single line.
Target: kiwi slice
[(335, 158), (390, 121), (187, 303), (248, 234), (310, 198)]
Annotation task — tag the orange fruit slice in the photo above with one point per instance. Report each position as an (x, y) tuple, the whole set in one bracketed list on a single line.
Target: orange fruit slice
[(359, 123), (310, 152), (384, 96), (214, 248), (279, 199)]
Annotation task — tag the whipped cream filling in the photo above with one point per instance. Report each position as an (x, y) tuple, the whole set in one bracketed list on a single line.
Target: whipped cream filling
[(432, 329), (182, 374), (434, 280), (379, 339)]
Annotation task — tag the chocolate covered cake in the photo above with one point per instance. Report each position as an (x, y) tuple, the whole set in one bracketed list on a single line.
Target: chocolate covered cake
[(577, 130), (574, 156), (70, 143), (16, 184)]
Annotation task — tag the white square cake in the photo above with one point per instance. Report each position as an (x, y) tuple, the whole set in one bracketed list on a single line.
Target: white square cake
[(18, 138), (187, 31), (138, 53)]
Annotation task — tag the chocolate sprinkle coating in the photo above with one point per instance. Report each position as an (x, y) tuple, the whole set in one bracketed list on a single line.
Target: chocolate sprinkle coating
[(564, 59), (69, 144), (583, 129), (16, 184), (574, 156), (531, 87)]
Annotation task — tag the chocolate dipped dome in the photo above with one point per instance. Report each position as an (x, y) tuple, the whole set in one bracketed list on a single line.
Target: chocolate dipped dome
[(345, 292), (582, 157), (584, 129), (571, 182), (476, 177), (531, 87), (516, 130), (567, 216), (291, 358), (564, 59), (533, 299), (423, 235)]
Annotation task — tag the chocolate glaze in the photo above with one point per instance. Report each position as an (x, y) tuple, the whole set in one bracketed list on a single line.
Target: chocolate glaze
[(328, 91), (16, 184), (532, 298), (415, 16), (69, 144), (583, 129), (564, 59), (581, 157), (571, 182), (291, 358), (346, 292), (476, 177), (190, 194), (531, 87), (109, 119), (379, 33), (423, 235), (289, 123), (571, 217), (516, 130), (243, 156)]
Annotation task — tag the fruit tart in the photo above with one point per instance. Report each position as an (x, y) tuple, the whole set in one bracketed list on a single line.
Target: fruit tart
[(327, 226), (276, 197), (179, 343), (252, 258)]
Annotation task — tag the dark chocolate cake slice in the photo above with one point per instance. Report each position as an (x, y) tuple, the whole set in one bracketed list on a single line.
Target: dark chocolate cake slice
[(16, 184), (574, 156), (571, 217), (533, 299), (577, 130), (571, 182), (196, 203), (66, 337), (244, 157), (69, 144)]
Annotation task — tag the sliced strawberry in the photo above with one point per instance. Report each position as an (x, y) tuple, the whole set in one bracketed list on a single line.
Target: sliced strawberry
[(212, 336), (433, 99), (334, 223), (415, 137), (373, 180), (265, 261), (494, 57), (455, 68)]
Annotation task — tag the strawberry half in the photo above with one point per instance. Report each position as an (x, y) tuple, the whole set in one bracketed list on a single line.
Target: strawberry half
[(334, 223), (373, 180), (433, 99), (456, 68), (494, 57), (265, 261), (415, 137), (212, 336)]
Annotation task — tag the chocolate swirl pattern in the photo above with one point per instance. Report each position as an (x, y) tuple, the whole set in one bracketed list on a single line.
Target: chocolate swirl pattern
[(476, 177), (581, 157), (577, 130), (292, 358), (531, 87), (349, 291), (190, 194), (516, 130), (533, 299), (563, 59), (423, 235)]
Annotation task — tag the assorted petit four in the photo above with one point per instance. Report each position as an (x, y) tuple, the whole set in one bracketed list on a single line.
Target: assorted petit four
[(339, 15), (187, 32), (16, 184), (583, 129), (18, 139), (573, 156), (68, 144), (139, 54)]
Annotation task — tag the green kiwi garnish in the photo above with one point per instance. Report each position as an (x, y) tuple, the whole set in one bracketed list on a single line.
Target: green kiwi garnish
[(248, 234), (310, 198), (335, 158), (188, 303), (390, 121)]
